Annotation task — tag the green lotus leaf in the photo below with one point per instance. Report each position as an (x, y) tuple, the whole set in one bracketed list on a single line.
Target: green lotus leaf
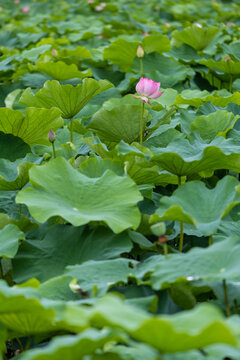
[(122, 53), (80, 52), (120, 123), (196, 37), (135, 351), (69, 99), (199, 264), (99, 276), (96, 167), (215, 124), (202, 326), (227, 67), (34, 53), (61, 71), (47, 251), (158, 43), (12, 147), (212, 204), (160, 68), (3, 339), (9, 239), (197, 98), (74, 347), (22, 313), (232, 48), (34, 127), (79, 199), (183, 158)]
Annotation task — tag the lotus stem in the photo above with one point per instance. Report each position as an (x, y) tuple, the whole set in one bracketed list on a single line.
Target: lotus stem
[(71, 130), (20, 208), (236, 307), (228, 310), (141, 124), (165, 251), (181, 223), (20, 344), (210, 240), (141, 66), (54, 151), (230, 83), (1, 269)]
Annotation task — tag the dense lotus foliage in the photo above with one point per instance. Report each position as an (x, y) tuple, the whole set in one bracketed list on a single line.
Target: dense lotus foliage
[(119, 180)]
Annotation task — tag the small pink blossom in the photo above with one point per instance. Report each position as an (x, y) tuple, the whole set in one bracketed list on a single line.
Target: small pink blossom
[(16, 1), (198, 25), (230, 23), (227, 58), (1, 8), (148, 89), (145, 34), (25, 9), (99, 8), (100, 36), (90, 1), (54, 52)]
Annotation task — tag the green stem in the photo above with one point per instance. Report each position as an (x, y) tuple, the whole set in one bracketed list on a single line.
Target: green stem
[(228, 311), (20, 208), (28, 344), (1, 269), (141, 67), (236, 307), (181, 223), (141, 125), (71, 130), (165, 250), (20, 344), (181, 237), (230, 84), (210, 240), (54, 152)]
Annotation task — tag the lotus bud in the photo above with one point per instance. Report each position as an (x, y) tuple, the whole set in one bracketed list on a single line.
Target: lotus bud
[(158, 229), (51, 136), (227, 58), (140, 52), (16, 1), (54, 52), (198, 25), (25, 9)]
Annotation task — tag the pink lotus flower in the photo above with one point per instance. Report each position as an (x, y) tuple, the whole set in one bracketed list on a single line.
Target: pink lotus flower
[(16, 1), (148, 89), (25, 9)]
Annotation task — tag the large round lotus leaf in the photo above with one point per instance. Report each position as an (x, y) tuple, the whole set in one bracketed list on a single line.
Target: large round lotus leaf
[(61, 71), (217, 262), (34, 127), (120, 123), (69, 99), (74, 347), (202, 326), (122, 53), (195, 204), (58, 189), (215, 124), (182, 158), (9, 238), (47, 251), (12, 147), (228, 67), (196, 37), (198, 98)]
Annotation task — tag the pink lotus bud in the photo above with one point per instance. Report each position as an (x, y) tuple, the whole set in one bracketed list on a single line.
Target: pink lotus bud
[(90, 1), (166, 24), (148, 89), (16, 1), (54, 52), (100, 36), (25, 9), (51, 136), (99, 8), (230, 23), (198, 25), (145, 34), (1, 8), (140, 52), (227, 58)]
